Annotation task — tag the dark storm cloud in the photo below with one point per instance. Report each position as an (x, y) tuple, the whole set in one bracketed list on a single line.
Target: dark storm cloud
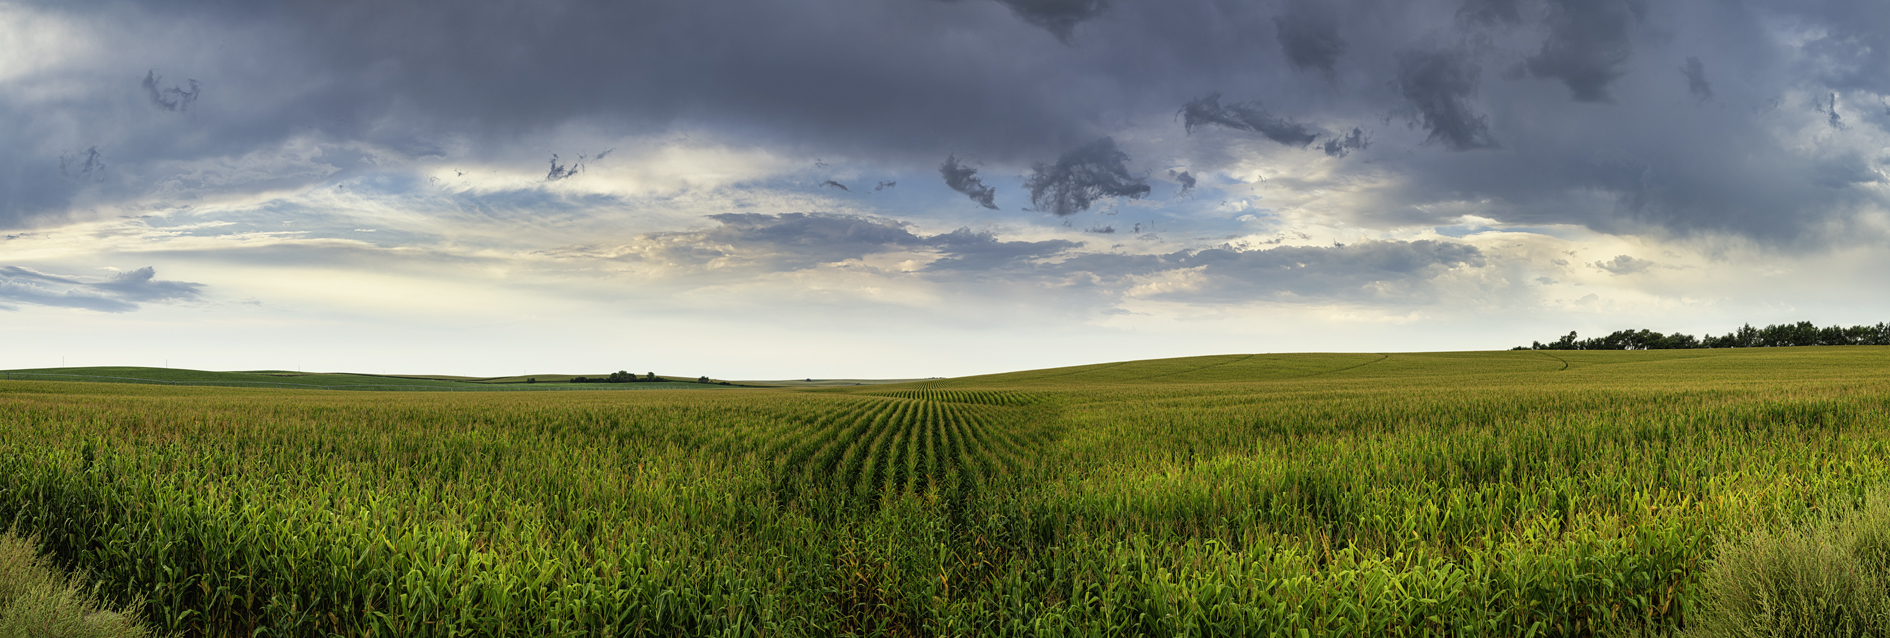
[(1438, 85), (1185, 179), (1654, 163), (964, 179), (172, 98), (1588, 46), (564, 171), (1093, 171), (1850, 42), (1244, 116), (894, 83), (119, 293), (1059, 17), (309, 93), (1828, 106), (1342, 145), (1490, 12), (1695, 72), (1309, 35), (844, 76)]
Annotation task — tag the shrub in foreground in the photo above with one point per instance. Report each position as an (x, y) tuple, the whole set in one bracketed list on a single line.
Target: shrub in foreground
[(1828, 578), (39, 601)]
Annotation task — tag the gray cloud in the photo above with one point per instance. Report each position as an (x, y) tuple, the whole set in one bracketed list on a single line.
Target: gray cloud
[(1183, 178), (1349, 270), (1372, 270), (85, 166), (1490, 12), (1093, 171), (1849, 46), (1439, 85), (965, 249), (1659, 166), (829, 237), (1588, 46), (1381, 270), (119, 293), (1695, 72), (964, 179), (1340, 146), (563, 171), (898, 81), (173, 98), (143, 285), (1244, 116), (309, 94), (795, 241), (1828, 106), (1059, 17), (1624, 265), (1309, 35)]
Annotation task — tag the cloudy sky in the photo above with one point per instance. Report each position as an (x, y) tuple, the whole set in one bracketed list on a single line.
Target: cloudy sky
[(905, 188)]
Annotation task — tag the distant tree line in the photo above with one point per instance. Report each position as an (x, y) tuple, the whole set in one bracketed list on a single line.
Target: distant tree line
[(621, 376), (1803, 333)]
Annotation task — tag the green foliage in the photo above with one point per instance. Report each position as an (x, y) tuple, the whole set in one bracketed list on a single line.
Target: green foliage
[(39, 601), (1446, 494), (1828, 578), (1803, 333)]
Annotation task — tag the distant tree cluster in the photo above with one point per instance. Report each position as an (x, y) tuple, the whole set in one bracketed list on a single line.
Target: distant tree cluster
[(620, 376), (1803, 333)]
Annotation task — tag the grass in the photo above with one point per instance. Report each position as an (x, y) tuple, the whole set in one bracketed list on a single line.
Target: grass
[(1828, 578), (285, 379), (1446, 494), (37, 600)]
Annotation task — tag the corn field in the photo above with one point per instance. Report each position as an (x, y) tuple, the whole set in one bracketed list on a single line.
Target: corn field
[(1443, 494)]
